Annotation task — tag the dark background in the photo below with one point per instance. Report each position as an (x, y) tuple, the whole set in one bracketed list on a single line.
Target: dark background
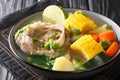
[(9, 68)]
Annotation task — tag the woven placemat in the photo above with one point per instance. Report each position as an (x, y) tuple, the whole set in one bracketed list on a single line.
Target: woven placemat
[(20, 69)]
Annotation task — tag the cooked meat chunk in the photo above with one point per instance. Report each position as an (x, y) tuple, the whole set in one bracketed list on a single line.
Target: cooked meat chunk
[(37, 34)]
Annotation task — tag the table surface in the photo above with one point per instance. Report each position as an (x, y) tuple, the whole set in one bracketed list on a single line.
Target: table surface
[(109, 8)]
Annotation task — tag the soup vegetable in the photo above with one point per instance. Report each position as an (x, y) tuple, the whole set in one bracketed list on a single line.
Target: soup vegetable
[(72, 43)]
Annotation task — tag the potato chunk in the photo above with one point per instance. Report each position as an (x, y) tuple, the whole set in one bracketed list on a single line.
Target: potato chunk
[(63, 64)]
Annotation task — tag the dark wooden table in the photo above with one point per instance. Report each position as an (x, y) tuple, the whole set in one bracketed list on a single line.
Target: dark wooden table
[(109, 8)]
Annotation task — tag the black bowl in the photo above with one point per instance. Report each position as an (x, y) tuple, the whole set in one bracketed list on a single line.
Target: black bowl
[(99, 19)]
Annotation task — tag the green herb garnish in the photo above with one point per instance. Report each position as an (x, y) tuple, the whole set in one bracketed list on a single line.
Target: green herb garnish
[(76, 31), (36, 39), (105, 44), (41, 61), (54, 35), (20, 31), (51, 45), (108, 27)]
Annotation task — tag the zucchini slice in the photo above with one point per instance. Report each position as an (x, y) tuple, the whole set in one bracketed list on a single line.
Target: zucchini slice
[(98, 60)]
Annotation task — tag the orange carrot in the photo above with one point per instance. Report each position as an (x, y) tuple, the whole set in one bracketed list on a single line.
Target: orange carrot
[(112, 50), (107, 35), (95, 36)]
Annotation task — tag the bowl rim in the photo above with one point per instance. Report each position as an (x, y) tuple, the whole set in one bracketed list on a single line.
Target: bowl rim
[(83, 71)]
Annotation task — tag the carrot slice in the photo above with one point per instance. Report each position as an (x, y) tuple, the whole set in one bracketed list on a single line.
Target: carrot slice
[(96, 37), (107, 35), (112, 50)]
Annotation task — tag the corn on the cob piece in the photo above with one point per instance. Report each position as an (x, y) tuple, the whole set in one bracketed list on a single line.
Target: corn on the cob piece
[(79, 21), (86, 47)]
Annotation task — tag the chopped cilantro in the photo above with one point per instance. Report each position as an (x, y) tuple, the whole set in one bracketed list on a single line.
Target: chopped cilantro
[(108, 27), (76, 31), (54, 35), (51, 45), (41, 61), (105, 44)]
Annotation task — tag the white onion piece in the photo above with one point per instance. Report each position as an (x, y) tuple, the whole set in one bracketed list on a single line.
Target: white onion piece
[(61, 40)]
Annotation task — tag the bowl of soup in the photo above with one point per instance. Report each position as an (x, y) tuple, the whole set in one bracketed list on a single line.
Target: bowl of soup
[(82, 45)]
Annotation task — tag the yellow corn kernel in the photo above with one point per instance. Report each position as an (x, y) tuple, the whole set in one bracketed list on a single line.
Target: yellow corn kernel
[(79, 21), (86, 47)]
